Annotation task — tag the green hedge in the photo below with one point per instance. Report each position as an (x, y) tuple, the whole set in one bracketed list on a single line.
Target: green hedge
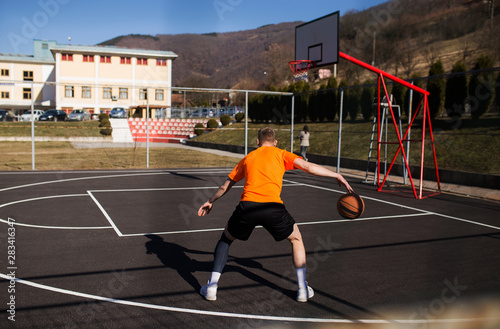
[(199, 129), (225, 120)]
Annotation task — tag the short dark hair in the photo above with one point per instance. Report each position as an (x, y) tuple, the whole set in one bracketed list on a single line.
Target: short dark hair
[(266, 134)]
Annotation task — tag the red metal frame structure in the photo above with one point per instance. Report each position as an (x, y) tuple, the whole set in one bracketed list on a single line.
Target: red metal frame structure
[(426, 117)]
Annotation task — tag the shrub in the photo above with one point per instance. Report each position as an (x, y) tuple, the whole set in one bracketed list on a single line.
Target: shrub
[(199, 129), (212, 124), (225, 120), (239, 116), (106, 125)]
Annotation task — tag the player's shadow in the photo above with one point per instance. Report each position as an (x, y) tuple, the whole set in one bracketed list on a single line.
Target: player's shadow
[(175, 256)]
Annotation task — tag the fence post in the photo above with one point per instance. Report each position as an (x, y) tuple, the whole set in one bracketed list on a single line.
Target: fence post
[(340, 128), (292, 121), (147, 129), (32, 129), (246, 122)]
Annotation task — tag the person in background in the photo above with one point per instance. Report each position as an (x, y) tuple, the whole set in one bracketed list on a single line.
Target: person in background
[(304, 141)]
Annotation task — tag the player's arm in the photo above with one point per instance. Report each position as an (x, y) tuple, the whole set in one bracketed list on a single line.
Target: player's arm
[(223, 189), (317, 170)]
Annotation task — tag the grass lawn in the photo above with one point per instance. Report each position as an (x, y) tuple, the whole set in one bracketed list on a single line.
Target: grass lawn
[(465, 146), (52, 129), (62, 155)]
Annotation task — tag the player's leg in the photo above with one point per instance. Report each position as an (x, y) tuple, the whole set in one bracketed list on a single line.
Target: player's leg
[(221, 252), (241, 230), (220, 255), (298, 249), (299, 261)]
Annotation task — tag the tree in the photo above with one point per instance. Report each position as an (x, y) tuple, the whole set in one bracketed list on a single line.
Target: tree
[(481, 87), (352, 102), (313, 107), (398, 95), (416, 96), (301, 99), (456, 91), (367, 96), (329, 105), (341, 100), (436, 87)]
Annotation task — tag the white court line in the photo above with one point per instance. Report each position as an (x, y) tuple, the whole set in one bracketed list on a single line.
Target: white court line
[(403, 206), (298, 224), (79, 178), (46, 226), (105, 214), (237, 315), (158, 171), (56, 227), (42, 198), (171, 188), (120, 234)]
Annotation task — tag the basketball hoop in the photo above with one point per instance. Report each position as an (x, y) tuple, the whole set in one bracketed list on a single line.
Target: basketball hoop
[(300, 69)]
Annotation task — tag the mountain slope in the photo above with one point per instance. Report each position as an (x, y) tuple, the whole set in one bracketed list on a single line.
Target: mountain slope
[(410, 35)]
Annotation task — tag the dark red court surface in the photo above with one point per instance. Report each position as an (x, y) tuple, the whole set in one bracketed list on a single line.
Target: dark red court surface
[(125, 249)]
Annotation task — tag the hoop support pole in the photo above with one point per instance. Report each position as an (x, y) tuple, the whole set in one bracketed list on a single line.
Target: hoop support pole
[(384, 74)]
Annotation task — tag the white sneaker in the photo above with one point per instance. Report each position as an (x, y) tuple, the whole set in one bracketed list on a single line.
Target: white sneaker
[(303, 294), (209, 291)]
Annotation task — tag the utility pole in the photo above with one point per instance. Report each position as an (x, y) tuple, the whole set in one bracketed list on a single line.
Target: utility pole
[(374, 40), (492, 13)]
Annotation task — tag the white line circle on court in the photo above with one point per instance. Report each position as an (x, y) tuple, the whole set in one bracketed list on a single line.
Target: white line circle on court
[(49, 226), (206, 312), (238, 315)]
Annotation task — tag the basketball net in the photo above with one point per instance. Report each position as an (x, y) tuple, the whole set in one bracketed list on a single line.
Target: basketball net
[(300, 69)]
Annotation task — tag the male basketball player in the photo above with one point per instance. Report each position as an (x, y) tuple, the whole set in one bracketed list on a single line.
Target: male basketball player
[(260, 204)]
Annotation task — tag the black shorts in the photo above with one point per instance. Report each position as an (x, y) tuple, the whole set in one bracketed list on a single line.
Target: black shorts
[(272, 216)]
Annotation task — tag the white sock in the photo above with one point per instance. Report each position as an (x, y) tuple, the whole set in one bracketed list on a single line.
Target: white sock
[(301, 277), (214, 278)]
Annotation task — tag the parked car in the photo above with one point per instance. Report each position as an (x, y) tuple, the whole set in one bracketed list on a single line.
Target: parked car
[(118, 112), (6, 115), (53, 115), (202, 113), (79, 115), (27, 115), (94, 116)]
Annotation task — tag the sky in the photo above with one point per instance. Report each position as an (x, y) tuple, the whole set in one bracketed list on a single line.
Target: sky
[(90, 22)]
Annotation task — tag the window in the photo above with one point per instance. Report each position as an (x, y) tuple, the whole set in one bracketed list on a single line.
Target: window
[(123, 93), (106, 93), (5, 94), (5, 73), (26, 93), (142, 61), (161, 62), (67, 57), (143, 94), (28, 75), (125, 60), (86, 92), (105, 59), (88, 58), (45, 46), (69, 91), (159, 94)]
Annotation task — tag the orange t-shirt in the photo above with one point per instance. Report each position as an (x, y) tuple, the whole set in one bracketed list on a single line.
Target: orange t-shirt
[(263, 170)]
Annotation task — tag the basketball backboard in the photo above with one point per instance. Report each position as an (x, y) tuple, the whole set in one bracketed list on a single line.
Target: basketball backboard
[(318, 40)]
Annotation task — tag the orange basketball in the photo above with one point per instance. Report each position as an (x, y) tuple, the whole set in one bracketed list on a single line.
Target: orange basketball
[(350, 206)]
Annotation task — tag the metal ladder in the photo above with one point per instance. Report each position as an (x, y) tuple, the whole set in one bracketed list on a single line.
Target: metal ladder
[(373, 140)]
